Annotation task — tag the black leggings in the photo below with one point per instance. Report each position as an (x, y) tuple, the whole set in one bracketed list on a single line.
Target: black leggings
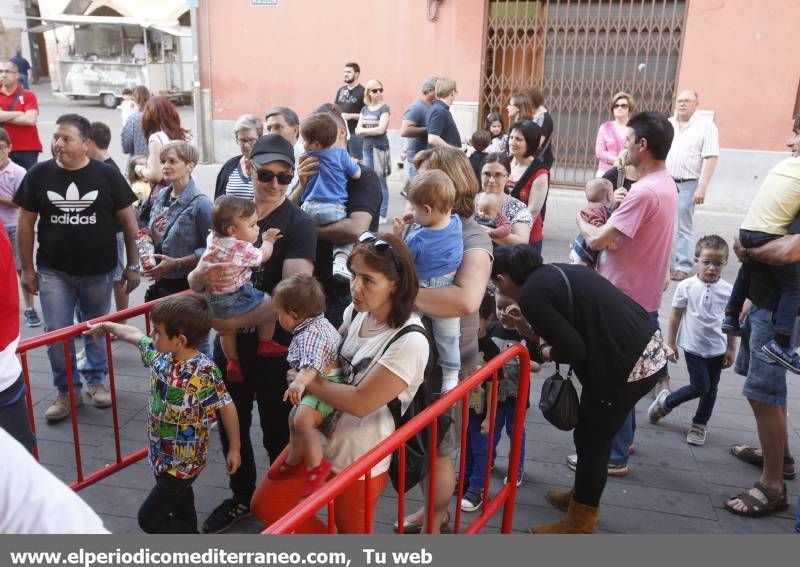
[(14, 414), (169, 508), (601, 414)]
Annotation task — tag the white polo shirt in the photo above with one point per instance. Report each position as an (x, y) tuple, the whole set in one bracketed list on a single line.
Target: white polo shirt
[(700, 332), (696, 140)]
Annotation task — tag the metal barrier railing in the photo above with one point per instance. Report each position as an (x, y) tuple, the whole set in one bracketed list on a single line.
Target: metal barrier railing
[(64, 335), (396, 442)]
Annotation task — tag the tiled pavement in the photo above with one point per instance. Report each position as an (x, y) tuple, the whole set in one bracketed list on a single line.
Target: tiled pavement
[(672, 487)]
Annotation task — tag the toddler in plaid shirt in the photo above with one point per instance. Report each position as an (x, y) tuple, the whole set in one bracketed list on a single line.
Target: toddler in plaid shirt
[(314, 351), (234, 229)]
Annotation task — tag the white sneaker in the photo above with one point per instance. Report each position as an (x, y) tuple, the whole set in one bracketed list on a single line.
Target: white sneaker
[(339, 268), (658, 408), (696, 435), (519, 478), (382, 220)]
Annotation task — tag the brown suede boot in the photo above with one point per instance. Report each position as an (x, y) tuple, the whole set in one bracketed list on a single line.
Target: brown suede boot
[(580, 519), (559, 498)]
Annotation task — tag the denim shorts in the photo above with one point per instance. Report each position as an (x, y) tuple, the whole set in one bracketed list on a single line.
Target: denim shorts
[(234, 304), (766, 381)]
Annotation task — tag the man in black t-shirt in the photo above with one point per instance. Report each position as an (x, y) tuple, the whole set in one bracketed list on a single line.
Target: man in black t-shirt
[(765, 385), (442, 128), (272, 161), (79, 203), (350, 99)]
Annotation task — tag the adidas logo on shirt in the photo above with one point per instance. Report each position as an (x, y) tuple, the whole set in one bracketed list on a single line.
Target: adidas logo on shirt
[(73, 202)]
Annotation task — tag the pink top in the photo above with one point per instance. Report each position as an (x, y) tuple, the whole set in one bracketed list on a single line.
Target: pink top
[(609, 143), (646, 218), (239, 252), (10, 180)]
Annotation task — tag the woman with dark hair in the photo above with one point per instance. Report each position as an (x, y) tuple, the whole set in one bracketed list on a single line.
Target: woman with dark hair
[(383, 287), (542, 118), (160, 124), (494, 174), (612, 344), (529, 180), (134, 142)]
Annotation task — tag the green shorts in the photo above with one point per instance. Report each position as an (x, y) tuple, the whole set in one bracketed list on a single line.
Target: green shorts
[(315, 403)]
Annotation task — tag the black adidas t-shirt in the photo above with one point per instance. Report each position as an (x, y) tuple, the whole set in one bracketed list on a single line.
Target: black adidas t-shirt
[(77, 215)]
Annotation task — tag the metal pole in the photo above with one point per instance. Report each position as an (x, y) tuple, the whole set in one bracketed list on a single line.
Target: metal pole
[(200, 126)]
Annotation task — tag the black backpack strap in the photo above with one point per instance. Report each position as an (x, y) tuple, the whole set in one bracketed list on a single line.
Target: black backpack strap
[(394, 405)]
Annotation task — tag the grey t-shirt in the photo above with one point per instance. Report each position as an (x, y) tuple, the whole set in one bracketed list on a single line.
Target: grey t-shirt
[(474, 237), (370, 119), (418, 114)]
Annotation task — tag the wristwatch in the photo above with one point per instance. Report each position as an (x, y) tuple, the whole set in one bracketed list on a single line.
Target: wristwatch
[(134, 268)]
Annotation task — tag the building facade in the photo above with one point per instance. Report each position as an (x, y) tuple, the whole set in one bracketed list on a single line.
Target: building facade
[(737, 54)]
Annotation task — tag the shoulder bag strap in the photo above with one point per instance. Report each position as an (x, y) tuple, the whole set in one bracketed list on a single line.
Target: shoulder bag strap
[(17, 95), (571, 307)]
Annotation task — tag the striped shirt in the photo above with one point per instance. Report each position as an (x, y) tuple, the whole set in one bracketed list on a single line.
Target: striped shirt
[(238, 184), (696, 140)]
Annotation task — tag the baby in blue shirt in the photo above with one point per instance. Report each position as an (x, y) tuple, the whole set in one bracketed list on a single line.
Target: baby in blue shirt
[(437, 248), (325, 195)]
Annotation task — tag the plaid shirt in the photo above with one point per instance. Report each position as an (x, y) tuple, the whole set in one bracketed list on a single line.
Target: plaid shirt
[(239, 252), (315, 344)]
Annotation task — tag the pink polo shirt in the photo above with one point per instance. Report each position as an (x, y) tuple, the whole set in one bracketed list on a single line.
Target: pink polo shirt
[(646, 218), (10, 180)]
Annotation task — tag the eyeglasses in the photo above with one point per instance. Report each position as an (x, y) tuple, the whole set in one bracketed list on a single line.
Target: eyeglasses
[(707, 263), (266, 176), (246, 141), (622, 105), (8, 72), (493, 176), (368, 237), (373, 91)]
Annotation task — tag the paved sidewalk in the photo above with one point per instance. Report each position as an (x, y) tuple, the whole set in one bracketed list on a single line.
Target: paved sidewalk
[(672, 487)]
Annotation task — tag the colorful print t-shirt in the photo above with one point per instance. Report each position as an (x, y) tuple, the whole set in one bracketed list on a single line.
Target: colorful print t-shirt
[(184, 397)]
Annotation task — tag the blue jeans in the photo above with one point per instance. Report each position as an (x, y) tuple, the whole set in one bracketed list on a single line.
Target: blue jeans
[(703, 381), (478, 445), (412, 170), (369, 161), (797, 517), (61, 295), (684, 227), (622, 441), (446, 330)]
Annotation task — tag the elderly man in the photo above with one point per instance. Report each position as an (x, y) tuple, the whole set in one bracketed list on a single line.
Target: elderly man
[(234, 176), (414, 125), (765, 385), (19, 111), (442, 129), (363, 207), (272, 162), (691, 162), (78, 202), (284, 121)]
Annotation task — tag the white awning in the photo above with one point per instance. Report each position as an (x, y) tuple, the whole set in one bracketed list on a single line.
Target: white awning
[(51, 22)]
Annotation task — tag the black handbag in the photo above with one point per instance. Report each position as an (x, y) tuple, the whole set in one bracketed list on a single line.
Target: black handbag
[(559, 401)]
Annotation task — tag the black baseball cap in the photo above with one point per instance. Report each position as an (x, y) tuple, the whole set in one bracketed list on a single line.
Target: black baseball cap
[(272, 147)]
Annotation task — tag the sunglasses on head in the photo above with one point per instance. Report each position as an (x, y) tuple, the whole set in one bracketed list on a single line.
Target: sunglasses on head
[(379, 244), (266, 176)]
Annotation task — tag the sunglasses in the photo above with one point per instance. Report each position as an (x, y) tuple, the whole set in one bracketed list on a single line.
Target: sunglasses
[(368, 237), (621, 105), (266, 176), (373, 91)]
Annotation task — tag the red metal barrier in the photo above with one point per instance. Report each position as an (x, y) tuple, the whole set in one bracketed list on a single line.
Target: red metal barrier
[(64, 335), (396, 442)]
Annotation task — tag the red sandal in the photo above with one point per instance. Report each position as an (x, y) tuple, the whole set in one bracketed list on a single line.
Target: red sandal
[(316, 477)]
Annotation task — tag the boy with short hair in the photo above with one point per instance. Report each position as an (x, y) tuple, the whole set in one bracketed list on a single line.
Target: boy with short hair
[(697, 306), (325, 196), (479, 141), (11, 176), (314, 352), (431, 195), (186, 392)]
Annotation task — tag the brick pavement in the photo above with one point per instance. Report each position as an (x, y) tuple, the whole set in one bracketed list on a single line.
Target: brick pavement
[(672, 487)]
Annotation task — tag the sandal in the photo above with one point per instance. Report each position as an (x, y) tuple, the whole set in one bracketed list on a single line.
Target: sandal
[(410, 529), (755, 508), (748, 455)]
